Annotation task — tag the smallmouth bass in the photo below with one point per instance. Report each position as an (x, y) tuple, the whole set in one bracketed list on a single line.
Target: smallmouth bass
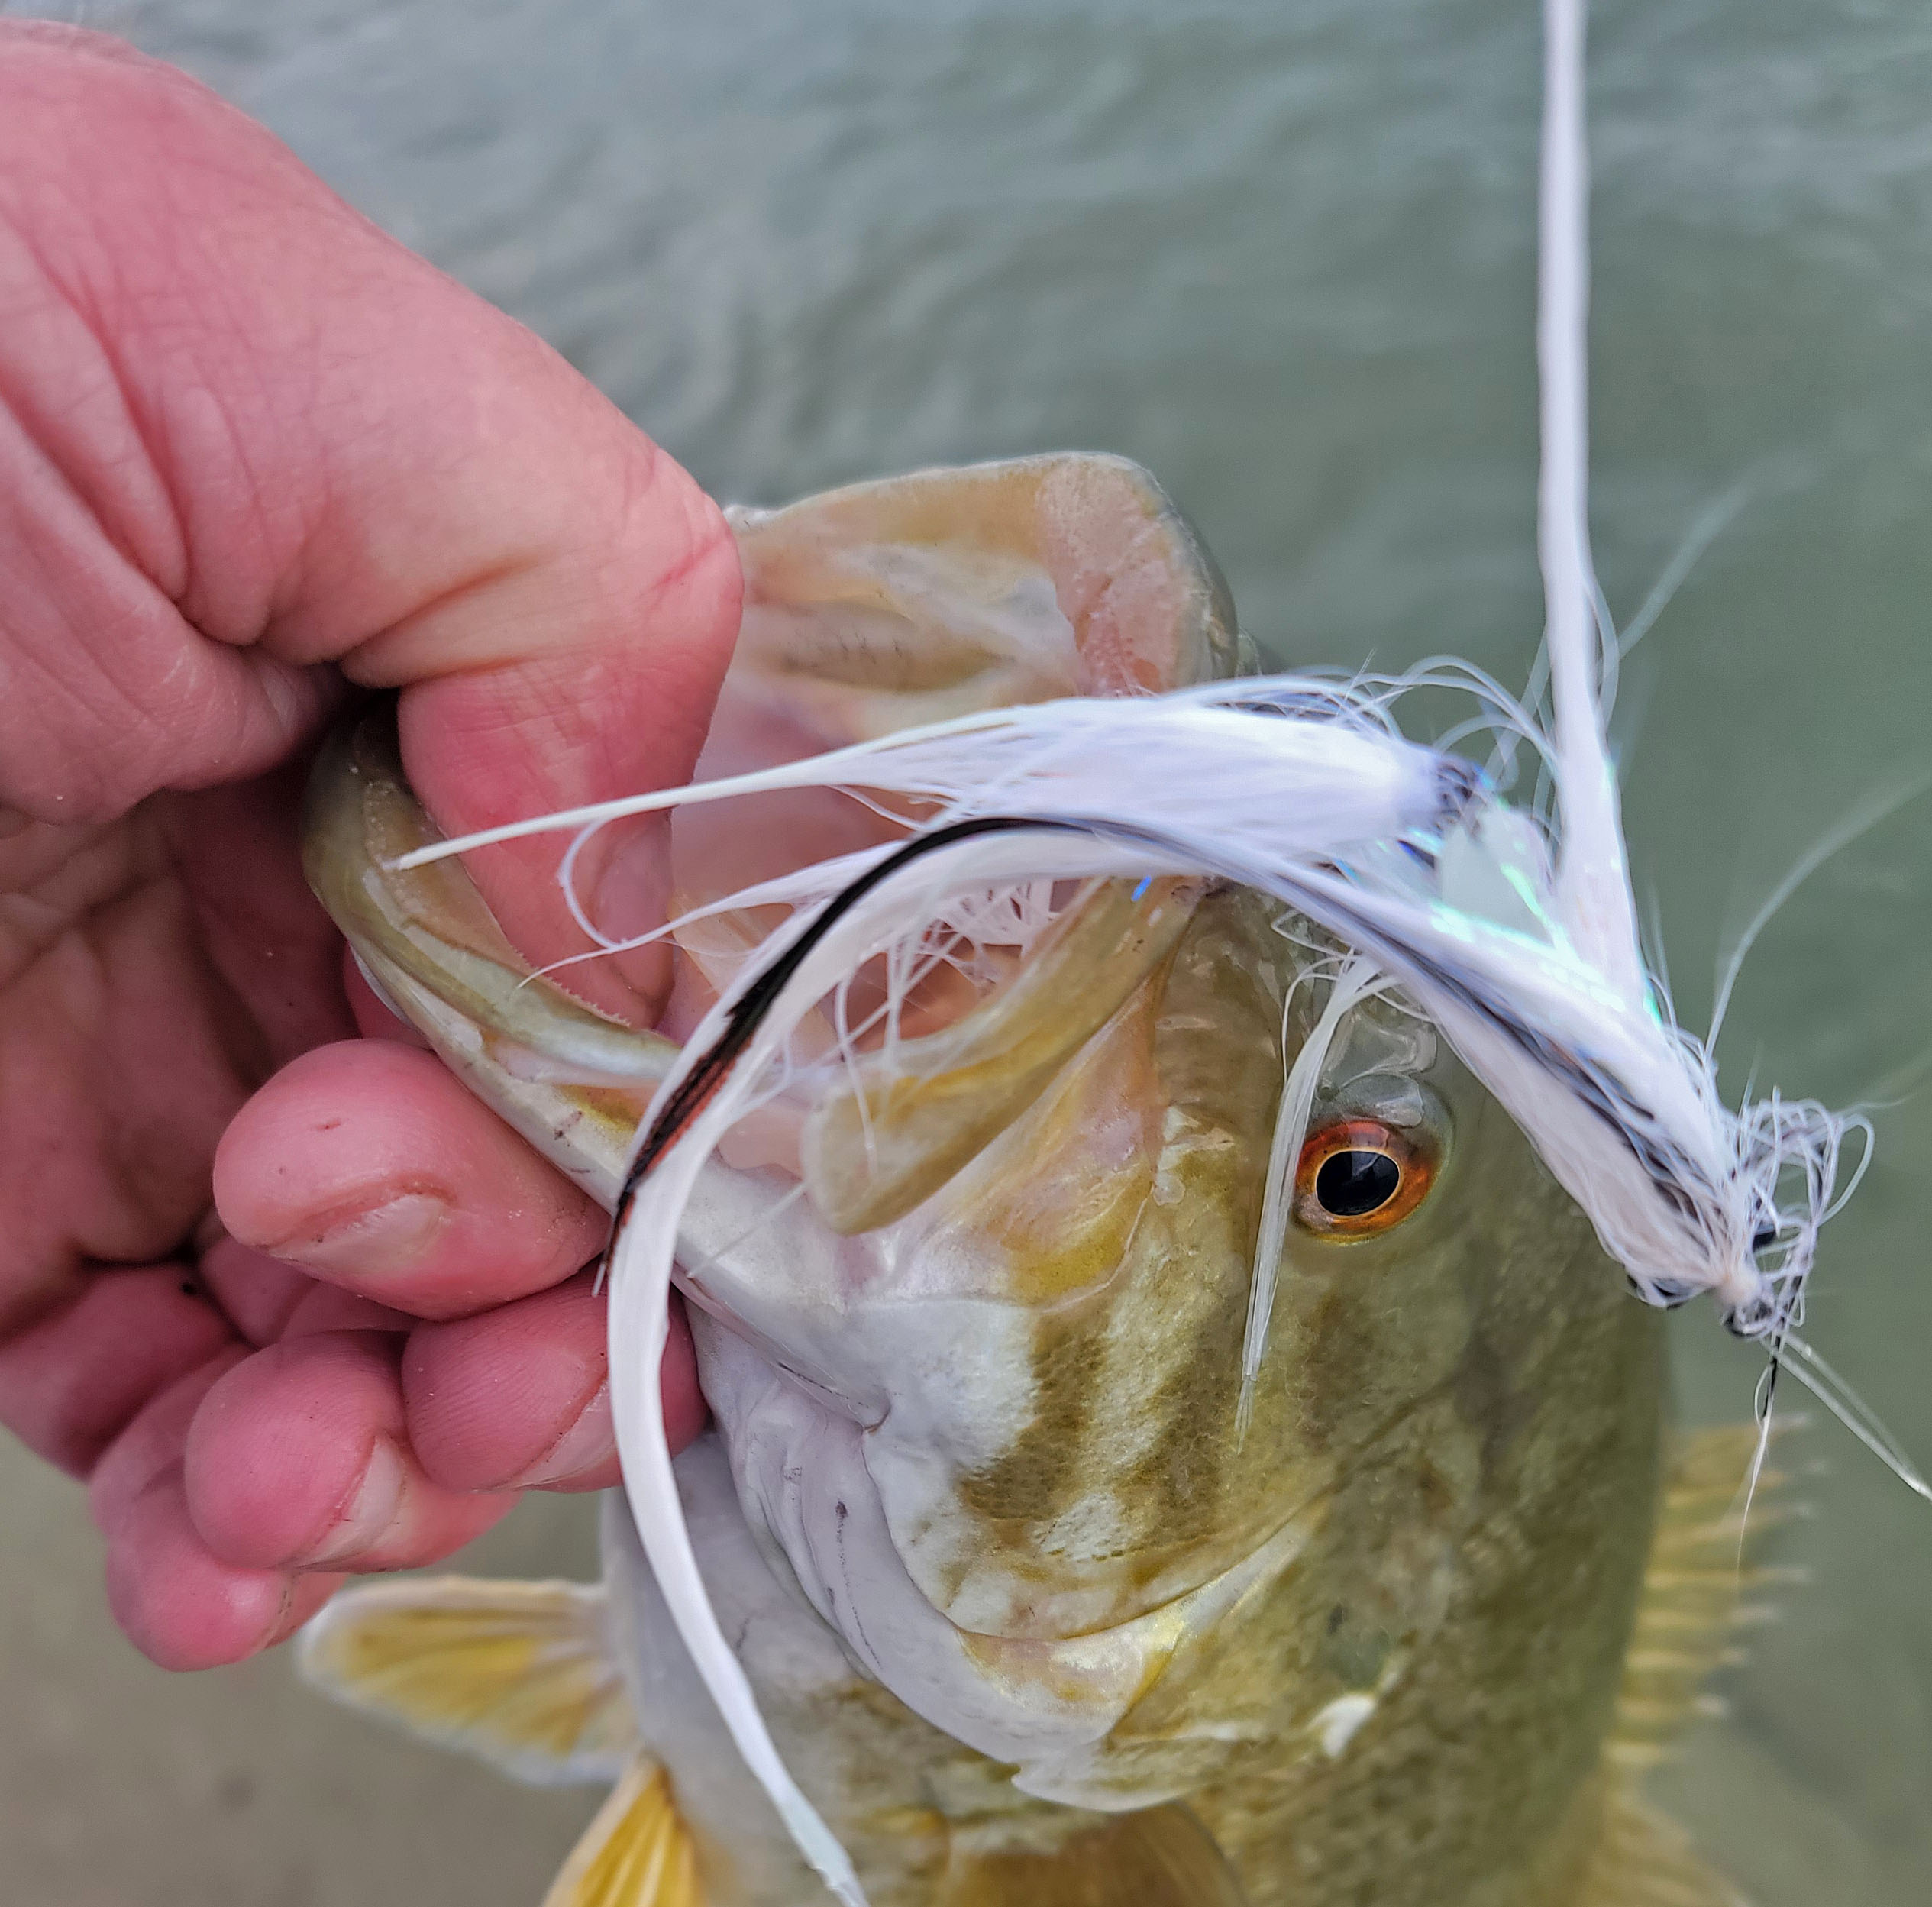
[(1041, 1601)]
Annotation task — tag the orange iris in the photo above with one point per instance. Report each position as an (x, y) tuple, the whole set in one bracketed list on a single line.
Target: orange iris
[(1358, 1176)]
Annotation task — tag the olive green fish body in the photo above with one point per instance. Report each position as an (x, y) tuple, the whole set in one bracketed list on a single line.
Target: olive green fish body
[(1098, 1628)]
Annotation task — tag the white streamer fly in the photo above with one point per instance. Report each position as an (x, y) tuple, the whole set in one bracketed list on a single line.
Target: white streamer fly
[(1524, 953)]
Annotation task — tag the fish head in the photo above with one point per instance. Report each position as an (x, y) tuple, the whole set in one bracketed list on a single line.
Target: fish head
[(1041, 1336), (975, 1286)]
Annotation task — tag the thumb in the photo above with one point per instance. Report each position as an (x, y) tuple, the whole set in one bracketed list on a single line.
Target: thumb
[(282, 441)]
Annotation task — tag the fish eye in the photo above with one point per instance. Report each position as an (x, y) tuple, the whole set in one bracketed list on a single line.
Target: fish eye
[(1358, 1176)]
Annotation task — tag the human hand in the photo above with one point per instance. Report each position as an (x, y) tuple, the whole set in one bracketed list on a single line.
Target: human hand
[(254, 456)]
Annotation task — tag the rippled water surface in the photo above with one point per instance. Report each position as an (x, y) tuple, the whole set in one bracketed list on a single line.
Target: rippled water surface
[(1280, 253)]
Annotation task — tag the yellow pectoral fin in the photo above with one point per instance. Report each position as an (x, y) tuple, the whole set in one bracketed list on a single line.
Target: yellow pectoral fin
[(637, 1853), (516, 1672), (1156, 1857), (1646, 1861)]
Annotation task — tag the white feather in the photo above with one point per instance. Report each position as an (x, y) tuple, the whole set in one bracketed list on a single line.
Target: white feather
[(1352, 982), (640, 1267), (1303, 788)]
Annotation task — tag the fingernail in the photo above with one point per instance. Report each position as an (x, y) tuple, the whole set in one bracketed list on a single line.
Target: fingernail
[(372, 1510), (302, 1597), (590, 1442), (394, 1237)]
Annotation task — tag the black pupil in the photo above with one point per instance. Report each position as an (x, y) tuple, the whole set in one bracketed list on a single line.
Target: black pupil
[(1352, 1185)]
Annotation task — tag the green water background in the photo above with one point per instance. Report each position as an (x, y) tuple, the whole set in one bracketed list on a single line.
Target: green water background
[(1281, 254)]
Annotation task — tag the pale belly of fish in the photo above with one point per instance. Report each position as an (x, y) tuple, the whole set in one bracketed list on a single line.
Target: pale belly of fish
[(1405, 1626)]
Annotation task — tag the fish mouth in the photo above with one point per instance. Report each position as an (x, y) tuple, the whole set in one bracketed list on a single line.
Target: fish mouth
[(573, 1081), (576, 1083), (429, 942)]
